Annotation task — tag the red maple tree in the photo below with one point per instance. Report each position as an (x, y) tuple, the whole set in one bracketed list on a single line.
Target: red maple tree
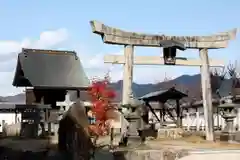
[(101, 97)]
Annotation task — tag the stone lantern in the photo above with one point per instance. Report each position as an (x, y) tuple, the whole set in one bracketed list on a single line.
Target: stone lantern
[(132, 115), (138, 120), (228, 110)]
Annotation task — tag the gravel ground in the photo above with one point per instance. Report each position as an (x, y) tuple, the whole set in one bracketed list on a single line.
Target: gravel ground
[(37, 149), (219, 156)]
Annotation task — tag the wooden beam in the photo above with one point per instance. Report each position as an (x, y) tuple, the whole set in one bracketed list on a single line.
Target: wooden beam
[(207, 94), (113, 35), (178, 111), (157, 60)]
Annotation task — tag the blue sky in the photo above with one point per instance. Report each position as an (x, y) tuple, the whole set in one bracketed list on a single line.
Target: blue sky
[(23, 22)]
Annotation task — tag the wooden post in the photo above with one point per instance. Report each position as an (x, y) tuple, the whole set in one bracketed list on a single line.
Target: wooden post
[(178, 114), (49, 124), (188, 121), (111, 138), (223, 123), (238, 119), (128, 74), (16, 116), (218, 124), (197, 120), (207, 94)]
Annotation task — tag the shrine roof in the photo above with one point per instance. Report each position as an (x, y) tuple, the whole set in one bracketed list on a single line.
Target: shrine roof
[(163, 95), (50, 69)]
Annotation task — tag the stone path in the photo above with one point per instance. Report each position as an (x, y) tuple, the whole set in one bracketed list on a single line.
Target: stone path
[(219, 156), (155, 149), (193, 146)]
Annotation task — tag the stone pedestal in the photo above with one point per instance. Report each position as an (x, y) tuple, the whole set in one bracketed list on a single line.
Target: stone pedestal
[(134, 123), (228, 134)]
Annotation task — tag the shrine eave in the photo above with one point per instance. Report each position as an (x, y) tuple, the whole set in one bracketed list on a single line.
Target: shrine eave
[(62, 88), (111, 35), (163, 95)]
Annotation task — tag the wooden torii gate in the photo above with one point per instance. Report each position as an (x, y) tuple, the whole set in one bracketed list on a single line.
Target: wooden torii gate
[(116, 36)]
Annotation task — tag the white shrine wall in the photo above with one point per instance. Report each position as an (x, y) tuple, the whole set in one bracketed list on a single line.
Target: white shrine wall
[(194, 119), (9, 118)]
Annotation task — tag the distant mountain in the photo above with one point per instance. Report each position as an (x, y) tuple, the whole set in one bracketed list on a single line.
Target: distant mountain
[(185, 83), (19, 98)]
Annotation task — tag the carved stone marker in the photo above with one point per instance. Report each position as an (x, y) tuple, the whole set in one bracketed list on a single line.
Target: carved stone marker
[(116, 36)]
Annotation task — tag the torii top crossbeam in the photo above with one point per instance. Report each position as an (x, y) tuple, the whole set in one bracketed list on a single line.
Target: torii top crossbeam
[(113, 35)]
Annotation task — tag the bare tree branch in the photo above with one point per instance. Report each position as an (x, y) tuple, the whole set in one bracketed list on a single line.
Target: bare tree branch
[(234, 75), (217, 76)]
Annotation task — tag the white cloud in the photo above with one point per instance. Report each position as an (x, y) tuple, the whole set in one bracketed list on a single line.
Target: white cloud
[(9, 50), (96, 61), (46, 39), (49, 39), (6, 84), (95, 67), (93, 64)]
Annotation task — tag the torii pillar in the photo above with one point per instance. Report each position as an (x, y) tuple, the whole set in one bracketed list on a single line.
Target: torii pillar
[(127, 74), (116, 36)]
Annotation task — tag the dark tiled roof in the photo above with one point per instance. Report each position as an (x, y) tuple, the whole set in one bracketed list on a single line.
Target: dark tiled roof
[(39, 68)]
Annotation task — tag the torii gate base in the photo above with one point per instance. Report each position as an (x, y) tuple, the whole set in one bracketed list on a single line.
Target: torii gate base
[(112, 35)]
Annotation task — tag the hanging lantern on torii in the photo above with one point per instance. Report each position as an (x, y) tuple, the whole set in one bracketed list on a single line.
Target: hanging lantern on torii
[(170, 51)]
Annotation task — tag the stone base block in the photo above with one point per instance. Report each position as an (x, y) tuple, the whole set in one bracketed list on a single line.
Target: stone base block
[(237, 136), (227, 137), (170, 133), (149, 154), (141, 154)]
